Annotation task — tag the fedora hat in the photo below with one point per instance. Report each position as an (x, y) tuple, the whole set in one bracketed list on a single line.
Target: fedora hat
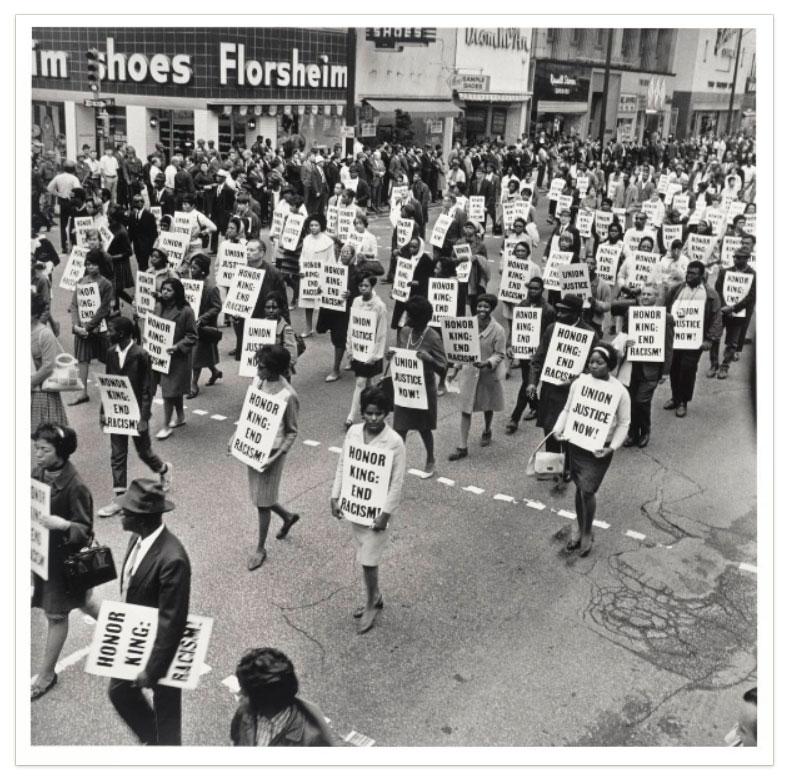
[(144, 496), (573, 302)]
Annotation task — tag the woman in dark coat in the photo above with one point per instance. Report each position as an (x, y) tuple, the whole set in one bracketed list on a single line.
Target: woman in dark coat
[(177, 382), (424, 270), (70, 526), (120, 251), (206, 351)]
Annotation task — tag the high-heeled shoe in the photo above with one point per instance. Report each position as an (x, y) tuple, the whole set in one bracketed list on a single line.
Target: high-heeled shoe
[(193, 393), (214, 378)]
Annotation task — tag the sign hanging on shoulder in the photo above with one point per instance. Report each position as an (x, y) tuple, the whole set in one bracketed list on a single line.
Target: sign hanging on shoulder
[(230, 255), (256, 431), (404, 230), (81, 225), (88, 301), (647, 327), (74, 269), (552, 276), (40, 506), (193, 291), (567, 354), (591, 413), (525, 331), (256, 334), (121, 410), (516, 274), (688, 323), (461, 337), (584, 220), (409, 382), (405, 272), (607, 258), (346, 221), (280, 214), (244, 292), (145, 294), (443, 296), (158, 335), (440, 230), (671, 233), (334, 281), (555, 190), (645, 265), (176, 245), (575, 280), (290, 232), (477, 207), (362, 333), (602, 221), (736, 287), (365, 482), (700, 247), (331, 220)]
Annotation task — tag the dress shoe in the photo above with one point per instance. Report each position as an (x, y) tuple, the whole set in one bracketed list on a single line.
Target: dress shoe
[(217, 376), (712, 372), (723, 372), (671, 405), (459, 454), (629, 441), (358, 612), (531, 414), (682, 410), (285, 528), (644, 439)]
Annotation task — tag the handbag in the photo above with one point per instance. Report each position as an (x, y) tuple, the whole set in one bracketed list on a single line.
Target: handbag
[(88, 568), (545, 465), (210, 335), (64, 377)]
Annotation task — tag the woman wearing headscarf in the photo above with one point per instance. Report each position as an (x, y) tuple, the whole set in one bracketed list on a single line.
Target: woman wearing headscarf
[(481, 382), (176, 382), (424, 270), (206, 351), (587, 468)]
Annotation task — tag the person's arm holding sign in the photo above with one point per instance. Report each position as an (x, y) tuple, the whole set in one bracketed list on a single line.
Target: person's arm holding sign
[(79, 528)]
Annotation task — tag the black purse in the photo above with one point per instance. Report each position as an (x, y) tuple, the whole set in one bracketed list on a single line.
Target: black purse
[(210, 335), (88, 568)]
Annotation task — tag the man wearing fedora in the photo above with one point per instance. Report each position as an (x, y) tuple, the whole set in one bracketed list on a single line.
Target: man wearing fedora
[(156, 573)]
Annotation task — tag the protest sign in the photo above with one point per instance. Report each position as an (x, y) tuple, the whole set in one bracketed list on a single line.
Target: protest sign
[(557, 185), (365, 481), (346, 220), (461, 202), (280, 213), (682, 204), (552, 277), (602, 221), (731, 243), (244, 291), (591, 412), (334, 280), (40, 506), (175, 245), (688, 323), (525, 331), (461, 338), (256, 431), (508, 214), (567, 354), (405, 272), (462, 252), (584, 220), (183, 222), (88, 301), (700, 247), (74, 269), (575, 280), (440, 229), (230, 255), (663, 184), (404, 230), (398, 196), (311, 275), (674, 189), (516, 273), (158, 335), (81, 225), (290, 233), (653, 212), (193, 291), (477, 207), (256, 334), (157, 214), (409, 382), (607, 259), (645, 265), (735, 287), (394, 215), (671, 233), (331, 220), (443, 296), (106, 236), (647, 327), (736, 208), (716, 219), (362, 333), (145, 295), (121, 410), (621, 215), (123, 642), (582, 184), (564, 203), (750, 224)]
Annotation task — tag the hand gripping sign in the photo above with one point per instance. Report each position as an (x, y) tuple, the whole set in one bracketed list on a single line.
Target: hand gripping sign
[(123, 642)]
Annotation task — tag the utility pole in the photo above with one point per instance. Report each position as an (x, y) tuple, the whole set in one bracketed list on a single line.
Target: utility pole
[(350, 107), (734, 82), (604, 100)]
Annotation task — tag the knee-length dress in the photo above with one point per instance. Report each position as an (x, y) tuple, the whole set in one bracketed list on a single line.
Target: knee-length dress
[(177, 381), (481, 388), (206, 351)]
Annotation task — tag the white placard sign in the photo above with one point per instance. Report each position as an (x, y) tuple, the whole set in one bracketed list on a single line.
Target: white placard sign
[(183, 222), (516, 273), (106, 235), (405, 272), (477, 207), (88, 301), (404, 230), (716, 219), (462, 252), (74, 269), (688, 323), (750, 224), (334, 280), (602, 221), (440, 230), (644, 265), (582, 184), (650, 208), (230, 255), (123, 641), (525, 331), (244, 292), (461, 338), (564, 203), (736, 208), (175, 245), (557, 185), (674, 189), (663, 184), (346, 220), (280, 214), (365, 481), (699, 247), (671, 233), (567, 354), (256, 431), (193, 290), (591, 414), (121, 410), (575, 280), (40, 506), (157, 214), (647, 327), (158, 335), (256, 334), (735, 287), (290, 233), (409, 382), (398, 196), (145, 294), (584, 220), (682, 204), (355, 240), (607, 258), (552, 277), (362, 333), (331, 220), (622, 216), (443, 296), (731, 243), (81, 225)]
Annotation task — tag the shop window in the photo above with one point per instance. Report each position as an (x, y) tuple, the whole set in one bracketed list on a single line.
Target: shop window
[(499, 117), (475, 122), (600, 38), (117, 132), (231, 131), (48, 122), (549, 35), (176, 131), (627, 43)]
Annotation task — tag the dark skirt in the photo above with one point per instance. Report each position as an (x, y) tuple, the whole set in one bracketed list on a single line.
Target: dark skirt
[(366, 370), (205, 355), (416, 418), (91, 347), (586, 470), (52, 597), (123, 279), (337, 322)]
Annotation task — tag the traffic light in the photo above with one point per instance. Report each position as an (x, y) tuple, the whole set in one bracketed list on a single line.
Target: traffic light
[(94, 69)]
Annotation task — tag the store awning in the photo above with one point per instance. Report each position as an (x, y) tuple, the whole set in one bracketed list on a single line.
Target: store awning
[(494, 97), (433, 107), (560, 107)]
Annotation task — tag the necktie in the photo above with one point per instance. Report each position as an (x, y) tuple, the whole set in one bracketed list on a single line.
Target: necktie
[(129, 567)]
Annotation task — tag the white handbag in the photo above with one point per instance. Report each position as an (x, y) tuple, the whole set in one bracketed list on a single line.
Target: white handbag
[(545, 465), (64, 377)]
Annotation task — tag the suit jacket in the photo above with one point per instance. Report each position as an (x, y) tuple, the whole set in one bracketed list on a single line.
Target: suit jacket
[(165, 199), (272, 282), (223, 207), (713, 320), (142, 232), (137, 368), (311, 178), (162, 581)]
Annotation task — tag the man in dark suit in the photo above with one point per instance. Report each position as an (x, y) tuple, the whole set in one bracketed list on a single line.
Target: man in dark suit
[(565, 226), (163, 197), (223, 205), (314, 183), (126, 358), (486, 183), (156, 573), (142, 231)]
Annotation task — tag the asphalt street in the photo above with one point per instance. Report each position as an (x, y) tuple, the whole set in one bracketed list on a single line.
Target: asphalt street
[(491, 635)]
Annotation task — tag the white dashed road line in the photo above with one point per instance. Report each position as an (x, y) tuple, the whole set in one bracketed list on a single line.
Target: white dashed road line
[(335, 449), (445, 480), (218, 417), (309, 442), (473, 489), (200, 412), (504, 498), (748, 567), (601, 524), (636, 535)]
